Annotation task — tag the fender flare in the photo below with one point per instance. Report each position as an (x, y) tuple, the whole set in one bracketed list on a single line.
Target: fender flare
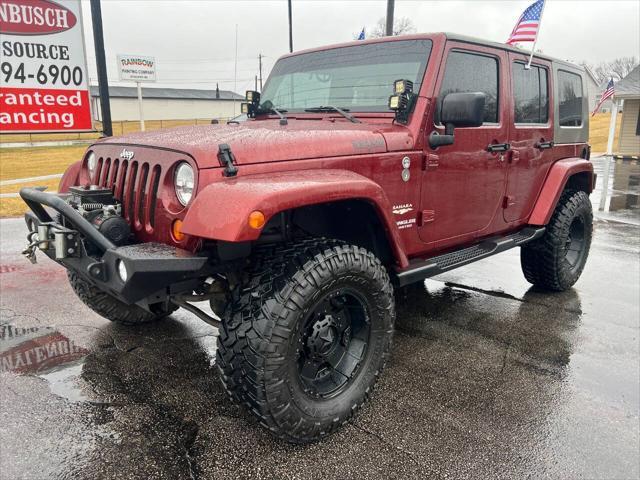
[(70, 177), (220, 211), (557, 178)]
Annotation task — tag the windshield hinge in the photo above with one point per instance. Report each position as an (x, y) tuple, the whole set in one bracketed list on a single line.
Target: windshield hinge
[(226, 158), (430, 161)]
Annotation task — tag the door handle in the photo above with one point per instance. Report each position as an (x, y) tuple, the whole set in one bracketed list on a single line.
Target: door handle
[(498, 147), (544, 145)]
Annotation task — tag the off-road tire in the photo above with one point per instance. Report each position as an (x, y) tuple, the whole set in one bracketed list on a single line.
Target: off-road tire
[(110, 307), (258, 340), (544, 261)]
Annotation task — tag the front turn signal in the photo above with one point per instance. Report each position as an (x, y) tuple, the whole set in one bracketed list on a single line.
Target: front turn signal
[(256, 219), (176, 230)]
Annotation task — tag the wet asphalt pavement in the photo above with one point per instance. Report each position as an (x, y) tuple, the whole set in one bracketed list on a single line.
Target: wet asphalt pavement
[(488, 379)]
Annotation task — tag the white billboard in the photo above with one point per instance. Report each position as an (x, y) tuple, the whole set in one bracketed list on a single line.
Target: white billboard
[(136, 68), (43, 70)]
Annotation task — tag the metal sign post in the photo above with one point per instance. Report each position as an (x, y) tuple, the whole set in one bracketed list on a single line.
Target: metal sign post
[(101, 66), (140, 106)]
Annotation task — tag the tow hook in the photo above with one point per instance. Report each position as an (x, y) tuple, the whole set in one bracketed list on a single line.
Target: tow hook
[(30, 251)]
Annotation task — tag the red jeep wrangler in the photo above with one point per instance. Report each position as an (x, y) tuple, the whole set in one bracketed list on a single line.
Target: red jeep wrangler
[(362, 168)]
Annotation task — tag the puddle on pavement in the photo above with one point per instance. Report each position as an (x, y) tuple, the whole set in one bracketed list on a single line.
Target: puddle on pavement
[(205, 335), (63, 382), (209, 346), (46, 353)]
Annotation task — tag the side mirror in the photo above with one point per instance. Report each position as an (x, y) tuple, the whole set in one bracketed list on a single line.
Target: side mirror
[(459, 110)]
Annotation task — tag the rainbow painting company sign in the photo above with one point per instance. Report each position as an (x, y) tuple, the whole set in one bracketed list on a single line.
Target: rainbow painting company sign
[(43, 69), (136, 68)]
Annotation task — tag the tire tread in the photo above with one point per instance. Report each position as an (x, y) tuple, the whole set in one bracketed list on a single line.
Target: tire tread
[(257, 323), (108, 306), (543, 260)]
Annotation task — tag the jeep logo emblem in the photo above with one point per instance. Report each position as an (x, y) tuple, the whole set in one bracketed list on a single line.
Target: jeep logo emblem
[(126, 154)]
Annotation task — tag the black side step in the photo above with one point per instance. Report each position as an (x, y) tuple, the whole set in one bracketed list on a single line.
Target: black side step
[(421, 269)]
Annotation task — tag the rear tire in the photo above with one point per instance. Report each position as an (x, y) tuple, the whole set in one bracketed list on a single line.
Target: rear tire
[(304, 341), (556, 260), (110, 307)]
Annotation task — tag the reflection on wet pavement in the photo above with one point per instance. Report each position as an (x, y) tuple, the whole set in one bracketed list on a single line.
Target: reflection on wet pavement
[(535, 327), (35, 349), (623, 187)]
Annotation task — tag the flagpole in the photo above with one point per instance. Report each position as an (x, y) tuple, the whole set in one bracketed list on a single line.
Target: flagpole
[(533, 48)]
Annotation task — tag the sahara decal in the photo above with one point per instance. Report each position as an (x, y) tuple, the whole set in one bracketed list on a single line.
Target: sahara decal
[(402, 209)]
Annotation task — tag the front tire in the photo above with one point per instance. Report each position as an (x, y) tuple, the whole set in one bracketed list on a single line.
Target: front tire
[(110, 307), (304, 341), (556, 260)]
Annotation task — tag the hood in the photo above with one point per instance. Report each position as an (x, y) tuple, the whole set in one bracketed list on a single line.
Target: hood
[(268, 141)]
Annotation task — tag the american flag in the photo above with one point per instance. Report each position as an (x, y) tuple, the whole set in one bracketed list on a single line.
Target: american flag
[(608, 93), (528, 24)]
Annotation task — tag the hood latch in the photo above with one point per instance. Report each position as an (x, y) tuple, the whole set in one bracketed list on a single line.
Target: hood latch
[(226, 158)]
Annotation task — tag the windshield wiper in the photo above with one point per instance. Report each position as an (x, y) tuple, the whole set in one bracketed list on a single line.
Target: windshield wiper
[(277, 111), (330, 108)]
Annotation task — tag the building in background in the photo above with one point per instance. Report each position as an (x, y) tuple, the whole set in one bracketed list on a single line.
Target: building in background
[(628, 91), (169, 103)]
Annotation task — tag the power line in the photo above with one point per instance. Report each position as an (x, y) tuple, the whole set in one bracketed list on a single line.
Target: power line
[(198, 60), (260, 69)]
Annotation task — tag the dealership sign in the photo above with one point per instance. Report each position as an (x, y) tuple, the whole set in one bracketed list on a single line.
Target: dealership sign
[(136, 68), (43, 69)]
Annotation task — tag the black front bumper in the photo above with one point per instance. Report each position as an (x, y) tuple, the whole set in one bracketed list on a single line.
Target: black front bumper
[(154, 271)]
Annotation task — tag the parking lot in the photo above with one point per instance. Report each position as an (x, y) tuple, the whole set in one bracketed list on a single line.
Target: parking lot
[(489, 378)]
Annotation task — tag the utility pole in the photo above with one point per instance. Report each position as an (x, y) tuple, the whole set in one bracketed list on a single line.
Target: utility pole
[(260, 70), (256, 84), (235, 74), (290, 29), (101, 64), (390, 5)]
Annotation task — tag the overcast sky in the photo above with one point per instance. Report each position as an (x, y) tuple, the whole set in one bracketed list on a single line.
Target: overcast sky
[(194, 41)]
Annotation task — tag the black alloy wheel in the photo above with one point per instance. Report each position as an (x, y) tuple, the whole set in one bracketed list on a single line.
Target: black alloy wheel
[(574, 246), (333, 343)]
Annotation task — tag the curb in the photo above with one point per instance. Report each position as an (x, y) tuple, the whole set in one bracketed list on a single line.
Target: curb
[(16, 181), (53, 143)]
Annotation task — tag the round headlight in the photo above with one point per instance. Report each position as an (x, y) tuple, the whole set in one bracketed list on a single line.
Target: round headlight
[(184, 181), (122, 270), (92, 162)]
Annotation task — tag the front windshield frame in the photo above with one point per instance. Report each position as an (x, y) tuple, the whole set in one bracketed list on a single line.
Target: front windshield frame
[(407, 58)]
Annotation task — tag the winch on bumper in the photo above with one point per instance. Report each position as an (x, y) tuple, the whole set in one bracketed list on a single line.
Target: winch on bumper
[(143, 273)]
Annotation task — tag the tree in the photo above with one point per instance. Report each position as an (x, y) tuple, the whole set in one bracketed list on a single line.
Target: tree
[(621, 67), (617, 68), (401, 26)]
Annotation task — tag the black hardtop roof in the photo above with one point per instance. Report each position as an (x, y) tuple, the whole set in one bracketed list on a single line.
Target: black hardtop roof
[(449, 36), (503, 46)]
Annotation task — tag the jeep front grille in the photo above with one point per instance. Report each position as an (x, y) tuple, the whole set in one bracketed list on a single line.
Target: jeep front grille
[(135, 184)]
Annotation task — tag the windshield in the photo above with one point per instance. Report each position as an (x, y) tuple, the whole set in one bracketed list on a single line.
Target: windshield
[(357, 78)]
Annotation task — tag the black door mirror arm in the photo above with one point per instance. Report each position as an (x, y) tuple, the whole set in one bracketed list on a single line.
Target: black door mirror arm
[(436, 140)]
